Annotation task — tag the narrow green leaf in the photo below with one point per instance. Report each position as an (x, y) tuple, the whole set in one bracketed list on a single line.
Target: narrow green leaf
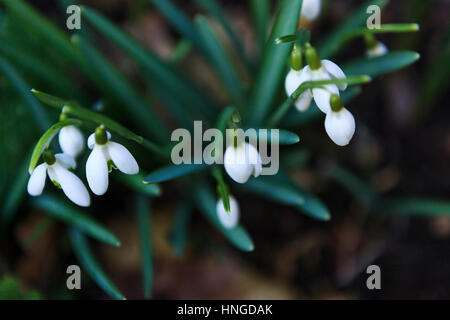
[(72, 108), (179, 231), (46, 138), (33, 20), (332, 43), (206, 203), (22, 88), (173, 171), (70, 215), (285, 137), (224, 117), (164, 79), (275, 57), (275, 190), (89, 263), (282, 190), (414, 207), (38, 68), (377, 66), (16, 192), (134, 182), (260, 10), (116, 86), (286, 39), (214, 9), (179, 20), (145, 239), (222, 188), (360, 189), (221, 61), (52, 101), (301, 38), (384, 28)]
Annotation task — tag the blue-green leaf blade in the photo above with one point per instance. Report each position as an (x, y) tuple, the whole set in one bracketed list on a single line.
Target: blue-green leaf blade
[(145, 236), (377, 66), (117, 87), (275, 58), (221, 61), (173, 171), (281, 190), (89, 263), (23, 89), (72, 216), (332, 43), (178, 236), (415, 207), (164, 78)]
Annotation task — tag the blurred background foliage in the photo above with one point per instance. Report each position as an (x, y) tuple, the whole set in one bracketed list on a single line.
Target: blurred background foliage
[(379, 189)]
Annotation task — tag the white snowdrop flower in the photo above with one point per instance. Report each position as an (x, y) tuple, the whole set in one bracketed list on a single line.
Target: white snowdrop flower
[(229, 220), (293, 80), (315, 70), (71, 140), (378, 50), (339, 123), (311, 9), (56, 166), (242, 161), (105, 155)]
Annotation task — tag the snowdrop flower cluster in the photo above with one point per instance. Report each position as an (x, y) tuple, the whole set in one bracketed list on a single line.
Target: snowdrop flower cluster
[(339, 122), (311, 9), (315, 70), (228, 220), (105, 155), (241, 161)]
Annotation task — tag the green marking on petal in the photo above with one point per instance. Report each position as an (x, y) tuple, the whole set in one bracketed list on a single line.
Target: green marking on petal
[(111, 165), (56, 184)]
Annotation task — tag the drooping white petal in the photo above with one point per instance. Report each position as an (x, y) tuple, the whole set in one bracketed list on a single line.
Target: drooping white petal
[(254, 159), (71, 185), (91, 139), (71, 140), (122, 158), (340, 126), (236, 164), (293, 80), (379, 50), (66, 160), (37, 180), (335, 72), (303, 101), (97, 171), (229, 220), (311, 9), (322, 97)]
